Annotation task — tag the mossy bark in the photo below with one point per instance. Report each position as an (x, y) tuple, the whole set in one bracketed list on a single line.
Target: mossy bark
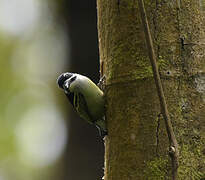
[(137, 145)]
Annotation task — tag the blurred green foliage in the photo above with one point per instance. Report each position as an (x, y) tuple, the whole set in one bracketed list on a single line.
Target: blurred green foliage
[(33, 133)]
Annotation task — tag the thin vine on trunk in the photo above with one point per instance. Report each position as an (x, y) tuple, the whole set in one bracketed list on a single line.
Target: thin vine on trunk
[(173, 149)]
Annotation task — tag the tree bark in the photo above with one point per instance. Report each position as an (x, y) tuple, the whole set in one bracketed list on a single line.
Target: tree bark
[(137, 145)]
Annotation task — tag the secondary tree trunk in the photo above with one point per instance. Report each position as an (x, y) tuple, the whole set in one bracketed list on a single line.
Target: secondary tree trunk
[(137, 143)]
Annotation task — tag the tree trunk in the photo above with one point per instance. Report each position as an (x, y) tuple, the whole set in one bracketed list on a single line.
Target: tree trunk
[(137, 144)]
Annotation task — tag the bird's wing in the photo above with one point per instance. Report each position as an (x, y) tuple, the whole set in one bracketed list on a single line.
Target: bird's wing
[(81, 107)]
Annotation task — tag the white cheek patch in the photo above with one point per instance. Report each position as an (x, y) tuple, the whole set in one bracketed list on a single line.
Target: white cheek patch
[(66, 86)]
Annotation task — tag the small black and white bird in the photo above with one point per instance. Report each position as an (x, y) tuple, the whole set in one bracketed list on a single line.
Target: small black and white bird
[(86, 98)]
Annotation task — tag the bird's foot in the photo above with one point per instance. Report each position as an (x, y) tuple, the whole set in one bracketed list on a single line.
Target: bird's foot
[(101, 83)]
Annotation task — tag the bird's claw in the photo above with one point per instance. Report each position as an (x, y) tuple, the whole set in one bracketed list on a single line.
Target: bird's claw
[(101, 83)]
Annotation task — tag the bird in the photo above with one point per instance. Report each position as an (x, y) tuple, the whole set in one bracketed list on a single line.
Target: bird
[(86, 98)]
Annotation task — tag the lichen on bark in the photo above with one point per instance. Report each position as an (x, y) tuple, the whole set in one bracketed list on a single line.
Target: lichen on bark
[(135, 149)]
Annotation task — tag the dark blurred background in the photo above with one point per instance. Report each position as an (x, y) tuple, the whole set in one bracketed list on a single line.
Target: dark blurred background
[(41, 137)]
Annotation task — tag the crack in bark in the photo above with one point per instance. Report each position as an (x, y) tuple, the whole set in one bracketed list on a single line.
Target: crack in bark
[(181, 38), (118, 5)]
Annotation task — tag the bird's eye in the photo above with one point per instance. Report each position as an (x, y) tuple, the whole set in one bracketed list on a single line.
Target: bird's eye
[(72, 79)]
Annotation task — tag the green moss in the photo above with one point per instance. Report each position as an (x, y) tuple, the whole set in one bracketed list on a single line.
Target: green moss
[(162, 62), (189, 163), (156, 169)]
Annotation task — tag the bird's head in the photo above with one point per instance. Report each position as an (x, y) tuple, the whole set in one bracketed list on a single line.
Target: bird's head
[(64, 80)]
